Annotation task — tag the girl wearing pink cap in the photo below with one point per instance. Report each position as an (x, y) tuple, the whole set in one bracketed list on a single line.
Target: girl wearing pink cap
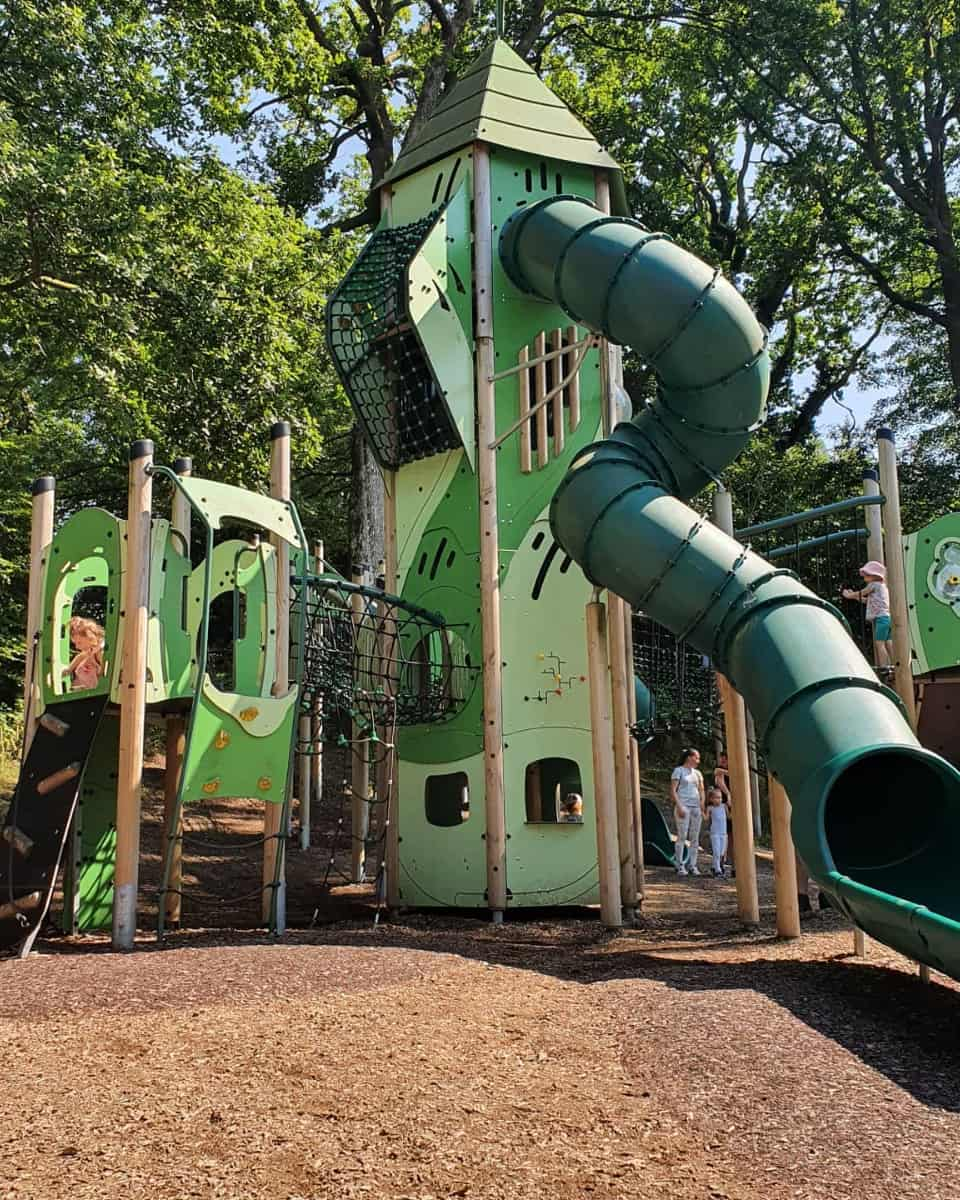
[(877, 599)]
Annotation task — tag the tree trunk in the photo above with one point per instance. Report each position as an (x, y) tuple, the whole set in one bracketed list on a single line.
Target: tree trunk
[(366, 508)]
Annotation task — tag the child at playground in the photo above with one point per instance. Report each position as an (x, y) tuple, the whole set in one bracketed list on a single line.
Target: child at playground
[(877, 599), (717, 814), (86, 666), (721, 781), (571, 810), (686, 792)]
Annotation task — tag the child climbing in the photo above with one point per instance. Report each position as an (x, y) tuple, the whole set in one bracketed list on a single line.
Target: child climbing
[(877, 599), (686, 792), (86, 666), (717, 823)]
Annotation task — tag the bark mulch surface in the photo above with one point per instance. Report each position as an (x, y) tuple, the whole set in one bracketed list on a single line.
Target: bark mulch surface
[(442, 1057)]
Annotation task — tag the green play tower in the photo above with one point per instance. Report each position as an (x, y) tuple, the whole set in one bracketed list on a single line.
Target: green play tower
[(406, 329)]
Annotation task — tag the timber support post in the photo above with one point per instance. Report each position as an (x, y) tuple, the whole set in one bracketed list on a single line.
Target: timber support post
[(133, 694)]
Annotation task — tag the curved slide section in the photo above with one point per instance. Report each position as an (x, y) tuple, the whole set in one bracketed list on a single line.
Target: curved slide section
[(873, 812)]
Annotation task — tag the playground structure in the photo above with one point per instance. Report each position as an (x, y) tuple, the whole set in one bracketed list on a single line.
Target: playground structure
[(482, 371), (230, 691)]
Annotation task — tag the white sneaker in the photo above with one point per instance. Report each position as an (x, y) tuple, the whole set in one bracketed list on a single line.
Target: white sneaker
[(694, 871), (681, 870)]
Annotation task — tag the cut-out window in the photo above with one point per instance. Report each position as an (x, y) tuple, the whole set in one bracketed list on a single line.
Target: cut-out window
[(88, 618), (553, 792), (447, 799), (228, 619)]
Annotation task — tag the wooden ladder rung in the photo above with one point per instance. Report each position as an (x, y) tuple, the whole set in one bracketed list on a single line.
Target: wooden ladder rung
[(58, 778), (18, 840), (54, 725)]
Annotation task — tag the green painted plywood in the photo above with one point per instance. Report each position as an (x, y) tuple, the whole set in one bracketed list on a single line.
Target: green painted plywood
[(442, 865), (249, 573), (86, 552), (238, 746), (88, 873), (169, 613), (440, 313), (932, 558), (219, 502)]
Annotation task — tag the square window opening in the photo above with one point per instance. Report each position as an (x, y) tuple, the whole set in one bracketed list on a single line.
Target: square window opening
[(553, 791), (447, 799)]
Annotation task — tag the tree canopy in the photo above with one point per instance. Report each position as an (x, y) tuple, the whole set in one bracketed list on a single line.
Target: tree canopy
[(181, 185)]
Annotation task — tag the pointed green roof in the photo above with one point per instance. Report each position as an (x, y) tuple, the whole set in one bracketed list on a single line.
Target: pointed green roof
[(500, 100)]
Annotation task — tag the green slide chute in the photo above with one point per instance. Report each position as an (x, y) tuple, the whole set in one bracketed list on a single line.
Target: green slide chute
[(874, 814)]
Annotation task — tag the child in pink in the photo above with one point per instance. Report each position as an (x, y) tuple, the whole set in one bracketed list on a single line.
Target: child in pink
[(877, 599), (86, 666)]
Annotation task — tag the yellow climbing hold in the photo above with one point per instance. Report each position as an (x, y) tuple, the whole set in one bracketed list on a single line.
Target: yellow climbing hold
[(249, 714), (211, 786), (222, 740), (541, 657), (264, 783)]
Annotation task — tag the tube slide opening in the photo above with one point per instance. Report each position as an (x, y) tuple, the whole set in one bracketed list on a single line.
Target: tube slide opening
[(889, 823)]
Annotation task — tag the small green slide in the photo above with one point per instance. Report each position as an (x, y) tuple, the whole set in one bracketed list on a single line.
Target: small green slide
[(659, 848), (875, 815)]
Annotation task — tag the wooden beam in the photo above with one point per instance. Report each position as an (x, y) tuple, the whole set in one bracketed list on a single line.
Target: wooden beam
[(176, 737), (539, 392), (526, 453), (735, 722), (274, 858), (133, 694), (495, 815), (604, 789), (784, 861), (556, 343), (43, 496), (896, 573)]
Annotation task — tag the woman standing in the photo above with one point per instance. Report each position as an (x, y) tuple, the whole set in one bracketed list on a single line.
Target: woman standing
[(686, 791)]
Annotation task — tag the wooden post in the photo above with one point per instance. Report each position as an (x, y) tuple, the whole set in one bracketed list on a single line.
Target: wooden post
[(784, 861), (176, 738), (873, 515), (621, 679), (604, 788), (494, 810), (273, 843), (359, 765), (635, 794), (734, 718), (133, 694), (754, 774), (43, 494), (896, 574)]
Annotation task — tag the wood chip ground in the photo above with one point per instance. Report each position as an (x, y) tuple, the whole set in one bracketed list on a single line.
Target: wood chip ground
[(441, 1057)]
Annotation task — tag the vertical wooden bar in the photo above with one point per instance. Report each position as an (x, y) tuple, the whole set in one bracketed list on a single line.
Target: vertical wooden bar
[(359, 764), (573, 392), (784, 861), (274, 857), (754, 775), (526, 453), (896, 574), (539, 391), (495, 815), (734, 717), (176, 738), (635, 793), (873, 516), (133, 694), (314, 791), (43, 495), (623, 782), (556, 343), (604, 791)]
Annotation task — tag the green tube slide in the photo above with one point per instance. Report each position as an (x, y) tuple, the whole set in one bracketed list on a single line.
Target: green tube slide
[(875, 815)]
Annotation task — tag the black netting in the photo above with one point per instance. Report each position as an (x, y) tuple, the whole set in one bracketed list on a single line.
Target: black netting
[(378, 357), (372, 659), (679, 690)]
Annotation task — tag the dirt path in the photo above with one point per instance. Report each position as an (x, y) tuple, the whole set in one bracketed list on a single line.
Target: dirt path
[(445, 1058)]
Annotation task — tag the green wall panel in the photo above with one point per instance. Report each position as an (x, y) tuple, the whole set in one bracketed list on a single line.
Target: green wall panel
[(932, 557)]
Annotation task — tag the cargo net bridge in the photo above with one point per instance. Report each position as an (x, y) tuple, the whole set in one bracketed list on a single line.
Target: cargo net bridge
[(372, 662)]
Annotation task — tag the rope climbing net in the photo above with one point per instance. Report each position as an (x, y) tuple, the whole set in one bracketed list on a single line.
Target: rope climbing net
[(378, 357), (679, 691)]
